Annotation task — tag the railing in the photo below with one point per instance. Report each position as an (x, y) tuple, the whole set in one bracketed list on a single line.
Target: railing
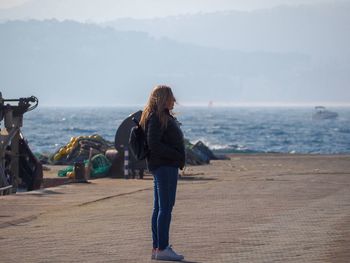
[(5, 190), (5, 186)]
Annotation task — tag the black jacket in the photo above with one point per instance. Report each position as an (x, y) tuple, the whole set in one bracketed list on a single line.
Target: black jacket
[(166, 145)]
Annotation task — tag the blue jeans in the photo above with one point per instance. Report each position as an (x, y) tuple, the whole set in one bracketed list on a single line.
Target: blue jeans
[(165, 183)]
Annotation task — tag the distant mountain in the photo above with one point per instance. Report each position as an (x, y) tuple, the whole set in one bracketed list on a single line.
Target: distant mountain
[(320, 30), (70, 63)]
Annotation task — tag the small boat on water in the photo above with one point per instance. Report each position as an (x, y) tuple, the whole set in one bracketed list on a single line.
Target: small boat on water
[(322, 114)]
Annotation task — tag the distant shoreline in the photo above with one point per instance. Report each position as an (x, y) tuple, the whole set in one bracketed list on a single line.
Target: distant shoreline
[(205, 106)]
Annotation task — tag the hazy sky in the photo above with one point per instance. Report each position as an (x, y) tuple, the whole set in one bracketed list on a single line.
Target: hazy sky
[(101, 10), (329, 77)]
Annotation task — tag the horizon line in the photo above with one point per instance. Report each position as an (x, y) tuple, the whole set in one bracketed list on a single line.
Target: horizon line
[(209, 105)]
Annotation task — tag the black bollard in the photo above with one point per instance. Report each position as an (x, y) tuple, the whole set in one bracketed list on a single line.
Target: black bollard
[(79, 171)]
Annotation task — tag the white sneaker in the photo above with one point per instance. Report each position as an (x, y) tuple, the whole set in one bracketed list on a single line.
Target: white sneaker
[(169, 254), (153, 254)]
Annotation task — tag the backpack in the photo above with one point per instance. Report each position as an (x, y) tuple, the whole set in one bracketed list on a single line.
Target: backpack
[(138, 142)]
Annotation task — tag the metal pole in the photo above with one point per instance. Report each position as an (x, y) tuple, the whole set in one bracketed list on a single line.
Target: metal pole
[(126, 163), (15, 161)]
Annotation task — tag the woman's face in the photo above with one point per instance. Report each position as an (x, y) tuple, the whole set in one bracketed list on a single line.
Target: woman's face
[(170, 103)]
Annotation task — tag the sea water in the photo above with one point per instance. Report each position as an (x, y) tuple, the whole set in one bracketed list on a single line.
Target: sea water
[(223, 129)]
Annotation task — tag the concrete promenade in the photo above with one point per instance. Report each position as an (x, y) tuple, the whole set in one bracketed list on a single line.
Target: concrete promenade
[(252, 208)]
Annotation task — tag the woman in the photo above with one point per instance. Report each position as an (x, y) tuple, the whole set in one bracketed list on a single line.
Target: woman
[(166, 156)]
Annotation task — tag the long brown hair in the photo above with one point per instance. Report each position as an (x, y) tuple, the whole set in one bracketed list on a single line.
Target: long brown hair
[(157, 103)]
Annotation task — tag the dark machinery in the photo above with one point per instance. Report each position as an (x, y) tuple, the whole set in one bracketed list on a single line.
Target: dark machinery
[(18, 165), (122, 143)]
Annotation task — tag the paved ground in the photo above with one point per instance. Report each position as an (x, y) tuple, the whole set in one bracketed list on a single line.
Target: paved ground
[(264, 208)]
